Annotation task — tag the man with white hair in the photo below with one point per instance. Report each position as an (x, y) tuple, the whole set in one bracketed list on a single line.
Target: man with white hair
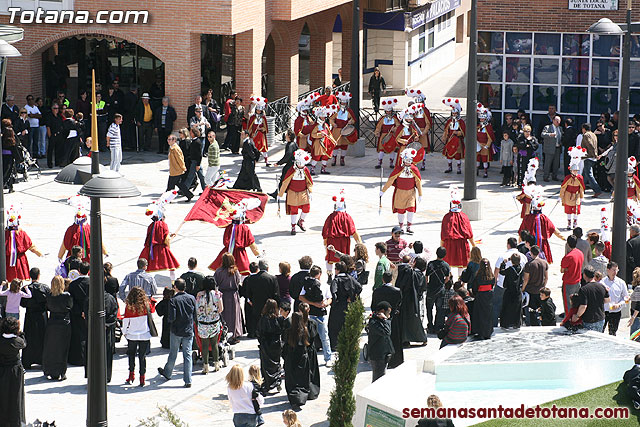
[(10, 110), (165, 115)]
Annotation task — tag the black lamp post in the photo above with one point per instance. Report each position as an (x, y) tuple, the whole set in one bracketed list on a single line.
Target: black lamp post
[(109, 184), (354, 84), (6, 51), (618, 246)]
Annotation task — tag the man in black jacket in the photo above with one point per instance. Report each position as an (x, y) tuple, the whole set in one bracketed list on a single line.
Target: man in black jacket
[(164, 117), (633, 251), (389, 293), (193, 278), (182, 314), (35, 320), (259, 288), (129, 129), (56, 141), (297, 280), (79, 290), (10, 110), (195, 159), (380, 346), (568, 140)]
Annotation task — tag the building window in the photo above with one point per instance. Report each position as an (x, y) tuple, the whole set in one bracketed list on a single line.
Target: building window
[(516, 97), (576, 44), (490, 95), (545, 70), (543, 96), (547, 44), (575, 71), (605, 72), (460, 29), (421, 39), (431, 29), (519, 43), (604, 99), (490, 41), (606, 46), (574, 99), (489, 68), (518, 70)]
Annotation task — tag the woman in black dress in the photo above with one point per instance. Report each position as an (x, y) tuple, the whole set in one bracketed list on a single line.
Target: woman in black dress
[(312, 351), (11, 374), (35, 320), (269, 332), (344, 290), (57, 336), (296, 361), (111, 285), (511, 312), (247, 178), (482, 287)]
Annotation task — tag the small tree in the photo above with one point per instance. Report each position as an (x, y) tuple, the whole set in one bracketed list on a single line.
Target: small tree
[(343, 403)]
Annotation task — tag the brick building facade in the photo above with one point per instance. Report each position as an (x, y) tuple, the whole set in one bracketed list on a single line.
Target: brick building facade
[(536, 53), (173, 35)]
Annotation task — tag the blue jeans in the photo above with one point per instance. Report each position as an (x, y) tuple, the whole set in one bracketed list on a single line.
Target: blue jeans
[(635, 325), (498, 293), (34, 134), (247, 420), (595, 326), (323, 331), (14, 315), (588, 175), (42, 140), (174, 346)]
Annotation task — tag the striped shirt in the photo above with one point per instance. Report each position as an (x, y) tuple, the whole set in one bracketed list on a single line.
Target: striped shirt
[(458, 329), (213, 154), (114, 135), (394, 248), (141, 279)]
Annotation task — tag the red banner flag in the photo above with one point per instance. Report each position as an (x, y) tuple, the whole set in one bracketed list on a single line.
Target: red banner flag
[(215, 206)]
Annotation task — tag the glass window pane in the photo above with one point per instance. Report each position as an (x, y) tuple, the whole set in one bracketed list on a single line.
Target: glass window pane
[(430, 40), (518, 43), (516, 97), (490, 96), (605, 72), (604, 100), (634, 100), (490, 42), (545, 70), (575, 44), (489, 68), (635, 46), (547, 44), (573, 100), (543, 96), (575, 71), (606, 45), (635, 73), (518, 70)]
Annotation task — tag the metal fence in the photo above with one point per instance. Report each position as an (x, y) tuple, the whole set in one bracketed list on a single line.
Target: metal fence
[(283, 112)]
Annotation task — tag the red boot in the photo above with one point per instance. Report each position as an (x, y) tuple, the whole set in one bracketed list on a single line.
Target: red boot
[(141, 380), (132, 376)]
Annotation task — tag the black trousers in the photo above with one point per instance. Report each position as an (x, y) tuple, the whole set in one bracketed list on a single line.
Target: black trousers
[(146, 133), (507, 178), (163, 135), (379, 368), (232, 139), (140, 348), (178, 181), (375, 97), (103, 126), (612, 320), (56, 149), (534, 304)]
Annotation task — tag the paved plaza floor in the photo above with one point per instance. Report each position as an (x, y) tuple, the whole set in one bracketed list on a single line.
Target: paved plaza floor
[(46, 217)]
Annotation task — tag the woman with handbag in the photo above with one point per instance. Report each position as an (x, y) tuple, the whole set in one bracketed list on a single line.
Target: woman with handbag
[(456, 328), (138, 328)]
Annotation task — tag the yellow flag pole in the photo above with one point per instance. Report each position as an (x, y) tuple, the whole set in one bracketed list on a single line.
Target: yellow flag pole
[(95, 165)]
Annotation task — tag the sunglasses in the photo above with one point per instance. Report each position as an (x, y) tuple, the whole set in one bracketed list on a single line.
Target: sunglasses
[(54, 108)]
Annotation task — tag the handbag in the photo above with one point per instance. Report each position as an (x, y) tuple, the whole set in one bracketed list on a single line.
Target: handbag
[(365, 351), (152, 326), (443, 332)]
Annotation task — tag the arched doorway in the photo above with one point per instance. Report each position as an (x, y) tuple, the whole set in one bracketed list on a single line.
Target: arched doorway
[(304, 53), (67, 66), (269, 69)]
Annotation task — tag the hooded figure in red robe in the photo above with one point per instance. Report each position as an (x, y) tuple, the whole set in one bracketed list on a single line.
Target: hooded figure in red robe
[(16, 245), (237, 237), (540, 226), (79, 233), (337, 232), (156, 244), (456, 232)]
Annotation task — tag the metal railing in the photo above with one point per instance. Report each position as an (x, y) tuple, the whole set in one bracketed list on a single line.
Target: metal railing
[(283, 113), (304, 95), (346, 86)]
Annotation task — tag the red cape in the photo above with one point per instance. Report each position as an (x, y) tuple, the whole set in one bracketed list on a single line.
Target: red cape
[(22, 244), (546, 230), (161, 258), (338, 229), (244, 239), (74, 236), (455, 233)]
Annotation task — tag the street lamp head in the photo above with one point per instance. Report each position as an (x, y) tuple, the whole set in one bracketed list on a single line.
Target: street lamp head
[(605, 26), (110, 185), (7, 50)]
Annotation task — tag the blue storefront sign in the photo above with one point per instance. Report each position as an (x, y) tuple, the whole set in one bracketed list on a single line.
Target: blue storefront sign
[(428, 13)]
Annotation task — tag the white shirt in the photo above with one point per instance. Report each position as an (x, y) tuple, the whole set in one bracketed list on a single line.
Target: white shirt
[(579, 140), (507, 255), (34, 123), (240, 399), (114, 135), (617, 292)]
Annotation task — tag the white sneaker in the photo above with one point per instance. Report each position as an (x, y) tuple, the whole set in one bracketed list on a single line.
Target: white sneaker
[(330, 362)]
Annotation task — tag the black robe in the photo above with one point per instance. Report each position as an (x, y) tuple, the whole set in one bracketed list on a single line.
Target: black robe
[(35, 323), (12, 380), (413, 284), (269, 342), (297, 372), (393, 296), (57, 337), (79, 290), (314, 367), (344, 290), (481, 318), (162, 309), (511, 312), (247, 178)]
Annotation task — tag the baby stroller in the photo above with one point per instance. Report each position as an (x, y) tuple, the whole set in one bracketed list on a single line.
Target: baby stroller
[(226, 351), (25, 163)]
